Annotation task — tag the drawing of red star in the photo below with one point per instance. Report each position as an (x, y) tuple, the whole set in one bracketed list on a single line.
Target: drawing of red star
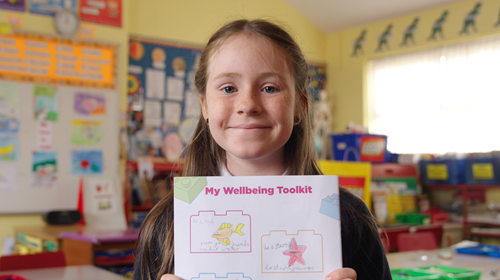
[(295, 253)]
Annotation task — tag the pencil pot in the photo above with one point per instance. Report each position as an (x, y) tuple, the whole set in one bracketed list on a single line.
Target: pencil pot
[(442, 171), (482, 171), (359, 147)]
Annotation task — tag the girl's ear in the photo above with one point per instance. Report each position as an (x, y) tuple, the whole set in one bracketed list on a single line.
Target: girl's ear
[(203, 109), (301, 106)]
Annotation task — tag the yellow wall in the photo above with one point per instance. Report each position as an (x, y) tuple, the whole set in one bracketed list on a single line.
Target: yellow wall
[(347, 74), (190, 21)]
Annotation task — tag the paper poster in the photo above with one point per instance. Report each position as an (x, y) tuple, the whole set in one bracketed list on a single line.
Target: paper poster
[(51, 7), (172, 112), (9, 147), (86, 162), (90, 104), (44, 136), (155, 87), (46, 105), (14, 5), (9, 107), (175, 88), (192, 105), (152, 116), (103, 198), (87, 132), (267, 227), (102, 11), (44, 170), (8, 176)]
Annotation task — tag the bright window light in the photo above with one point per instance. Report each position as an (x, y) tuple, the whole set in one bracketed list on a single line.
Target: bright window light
[(438, 101)]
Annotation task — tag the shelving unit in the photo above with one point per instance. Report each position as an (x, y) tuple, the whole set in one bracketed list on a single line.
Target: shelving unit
[(465, 221)]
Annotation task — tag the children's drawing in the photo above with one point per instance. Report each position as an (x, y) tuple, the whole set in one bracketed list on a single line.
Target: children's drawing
[(437, 27), (87, 132), (295, 252), (225, 231), (44, 170), (9, 107), (45, 103), (88, 104), (8, 148), (86, 162), (409, 31), (470, 19), (359, 43), (382, 39)]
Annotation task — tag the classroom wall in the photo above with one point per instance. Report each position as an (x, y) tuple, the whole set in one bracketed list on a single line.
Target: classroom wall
[(189, 21), (44, 24), (347, 73)]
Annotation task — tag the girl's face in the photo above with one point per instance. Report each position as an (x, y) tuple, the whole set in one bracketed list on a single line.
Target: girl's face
[(250, 100)]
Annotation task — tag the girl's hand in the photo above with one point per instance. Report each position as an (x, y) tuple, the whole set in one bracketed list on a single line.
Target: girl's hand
[(341, 274), (170, 277)]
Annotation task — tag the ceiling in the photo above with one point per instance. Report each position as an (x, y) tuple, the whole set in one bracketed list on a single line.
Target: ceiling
[(335, 15)]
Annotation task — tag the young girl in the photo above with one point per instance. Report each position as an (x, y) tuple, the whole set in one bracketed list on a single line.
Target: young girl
[(256, 120)]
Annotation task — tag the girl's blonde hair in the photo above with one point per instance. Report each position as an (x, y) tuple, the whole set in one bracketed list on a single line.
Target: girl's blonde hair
[(204, 156)]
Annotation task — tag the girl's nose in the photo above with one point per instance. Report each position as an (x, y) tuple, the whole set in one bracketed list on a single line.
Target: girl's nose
[(249, 102)]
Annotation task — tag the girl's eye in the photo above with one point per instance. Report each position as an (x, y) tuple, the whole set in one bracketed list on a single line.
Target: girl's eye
[(229, 89), (270, 89)]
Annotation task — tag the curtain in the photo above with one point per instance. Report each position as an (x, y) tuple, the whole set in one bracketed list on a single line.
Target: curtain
[(438, 101)]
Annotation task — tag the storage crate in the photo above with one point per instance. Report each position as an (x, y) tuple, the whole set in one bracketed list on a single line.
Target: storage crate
[(482, 171), (451, 273), (411, 274), (359, 147), (442, 171)]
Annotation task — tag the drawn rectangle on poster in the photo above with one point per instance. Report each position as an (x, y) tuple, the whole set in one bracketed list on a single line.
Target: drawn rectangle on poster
[(86, 162), (172, 112), (152, 113), (175, 89), (155, 84), (85, 132), (44, 170), (90, 104), (8, 176)]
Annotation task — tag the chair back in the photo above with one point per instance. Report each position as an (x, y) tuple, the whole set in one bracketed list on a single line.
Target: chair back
[(32, 261), (416, 241)]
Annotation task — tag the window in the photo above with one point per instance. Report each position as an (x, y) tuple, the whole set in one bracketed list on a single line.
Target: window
[(438, 101)]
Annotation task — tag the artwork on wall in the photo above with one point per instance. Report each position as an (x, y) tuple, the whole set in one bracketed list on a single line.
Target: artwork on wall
[(51, 7), (470, 19), (437, 27), (107, 12), (359, 43), (163, 106), (408, 33), (14, 5), (383, 39)]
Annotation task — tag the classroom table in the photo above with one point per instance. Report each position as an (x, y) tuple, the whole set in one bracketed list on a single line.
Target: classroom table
[(422, 258), (83, 272)]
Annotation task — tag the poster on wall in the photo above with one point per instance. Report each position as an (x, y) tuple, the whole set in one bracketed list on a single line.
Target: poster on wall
[(103, 197), (14, 5), (317, 72), (44, 170), (103, 11), (163, 102), (46, 105), (51, 7), (9, 147), (8, 176), (85, 132), (45, 132), (90, 104), (9, 107), (86, 162)]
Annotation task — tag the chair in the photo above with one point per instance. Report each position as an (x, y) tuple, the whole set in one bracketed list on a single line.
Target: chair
[(32, 261), (416, 241)]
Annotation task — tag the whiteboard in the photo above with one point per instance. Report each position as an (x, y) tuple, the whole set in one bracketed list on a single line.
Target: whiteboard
[(28, 199)]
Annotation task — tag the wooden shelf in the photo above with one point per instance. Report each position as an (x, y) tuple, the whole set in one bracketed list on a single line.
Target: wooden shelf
[(141, 208), (461, 187)]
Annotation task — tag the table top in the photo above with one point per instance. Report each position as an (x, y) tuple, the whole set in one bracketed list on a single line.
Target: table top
[(83, 272), (48, 232), (422, 258), (103, 236)]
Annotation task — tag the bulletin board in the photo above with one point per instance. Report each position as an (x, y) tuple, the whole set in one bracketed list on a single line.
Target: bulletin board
[(59, 121), (163, 102)]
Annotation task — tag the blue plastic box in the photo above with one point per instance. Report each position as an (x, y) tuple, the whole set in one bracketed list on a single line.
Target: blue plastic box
[(482, 171), (359, 147), (481, 250), (442, 171)]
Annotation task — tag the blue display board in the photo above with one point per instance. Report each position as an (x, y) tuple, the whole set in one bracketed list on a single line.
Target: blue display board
[(163, 102)]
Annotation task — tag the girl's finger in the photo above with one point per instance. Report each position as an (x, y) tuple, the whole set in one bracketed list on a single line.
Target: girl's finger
[(170, 277), (342, 274)]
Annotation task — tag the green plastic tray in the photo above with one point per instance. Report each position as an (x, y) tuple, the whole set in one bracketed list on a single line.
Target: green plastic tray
[(412, 274), (451, 273)]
